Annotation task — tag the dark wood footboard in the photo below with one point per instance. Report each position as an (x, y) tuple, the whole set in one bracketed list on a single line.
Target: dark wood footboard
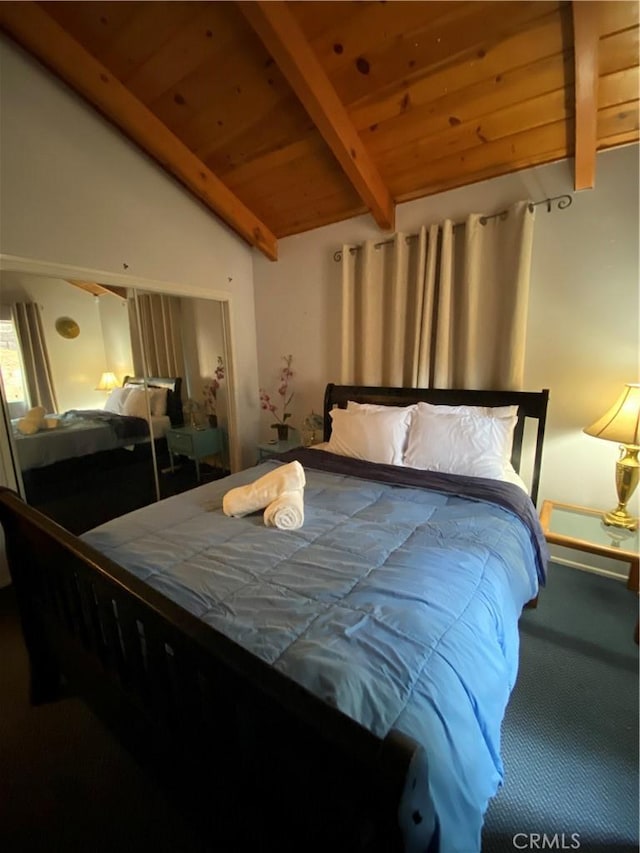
[(264, 763)]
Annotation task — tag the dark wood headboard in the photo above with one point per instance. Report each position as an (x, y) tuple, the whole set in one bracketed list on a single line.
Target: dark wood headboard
[(531, 404), (173, 384)]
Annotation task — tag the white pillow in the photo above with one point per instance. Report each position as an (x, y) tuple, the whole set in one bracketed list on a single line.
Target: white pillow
[(352, 406), (485, 411), (136, 403), (511, 476), (374, 436), (470, 444), (158, 401), (116, 400)]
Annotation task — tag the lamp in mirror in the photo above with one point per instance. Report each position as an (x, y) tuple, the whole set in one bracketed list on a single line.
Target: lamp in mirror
[(621, 423), (107, 382)]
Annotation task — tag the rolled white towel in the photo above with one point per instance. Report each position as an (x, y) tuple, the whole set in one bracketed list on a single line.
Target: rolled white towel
[(257, 495), (287, 511), (27, 427)]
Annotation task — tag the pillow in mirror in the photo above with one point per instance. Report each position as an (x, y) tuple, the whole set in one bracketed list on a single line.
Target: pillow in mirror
[(158, 401), (136, 403), (116, 400)]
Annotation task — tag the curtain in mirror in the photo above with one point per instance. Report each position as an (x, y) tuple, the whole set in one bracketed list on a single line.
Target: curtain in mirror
[(156, 334), (35, 356), (183, 340)]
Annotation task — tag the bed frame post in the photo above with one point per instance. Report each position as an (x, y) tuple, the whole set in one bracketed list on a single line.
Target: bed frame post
[(537, 462)]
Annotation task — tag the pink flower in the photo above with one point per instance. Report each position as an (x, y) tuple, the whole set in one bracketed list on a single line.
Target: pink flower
[(210, 389)]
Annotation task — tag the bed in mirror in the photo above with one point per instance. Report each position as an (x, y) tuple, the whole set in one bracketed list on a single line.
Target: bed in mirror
[(91, 418)]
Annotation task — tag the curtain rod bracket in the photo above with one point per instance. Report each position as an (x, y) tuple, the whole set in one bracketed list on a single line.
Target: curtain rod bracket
[(563, 201)]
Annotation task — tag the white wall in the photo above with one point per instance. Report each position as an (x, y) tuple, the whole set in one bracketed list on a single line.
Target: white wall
[(76, 363), (582, 340), (76, 193), (114, 321)]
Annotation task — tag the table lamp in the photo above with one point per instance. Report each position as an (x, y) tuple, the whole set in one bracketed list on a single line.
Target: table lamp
[(621, 423), (107, 382)]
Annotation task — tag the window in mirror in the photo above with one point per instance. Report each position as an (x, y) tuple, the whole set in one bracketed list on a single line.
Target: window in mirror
[(12, 369)]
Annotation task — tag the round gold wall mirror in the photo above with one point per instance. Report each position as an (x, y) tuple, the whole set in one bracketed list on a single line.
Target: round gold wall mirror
[(67, 328)]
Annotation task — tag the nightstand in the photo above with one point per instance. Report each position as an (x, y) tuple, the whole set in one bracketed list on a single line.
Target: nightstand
[(194, 444), (583, 529), (273, 448)]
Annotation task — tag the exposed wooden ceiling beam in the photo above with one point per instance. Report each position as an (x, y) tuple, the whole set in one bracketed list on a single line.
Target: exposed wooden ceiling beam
[(585, 43), (32, 27), (279, 31), (96, 289)]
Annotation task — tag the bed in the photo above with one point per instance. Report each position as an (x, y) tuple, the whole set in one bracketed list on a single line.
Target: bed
[(340, 687), (80, 433)]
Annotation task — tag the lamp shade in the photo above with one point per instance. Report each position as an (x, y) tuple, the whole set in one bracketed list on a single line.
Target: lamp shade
[(107, 382), (621, 422)]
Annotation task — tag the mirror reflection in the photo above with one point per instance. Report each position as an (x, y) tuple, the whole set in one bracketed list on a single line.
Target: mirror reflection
[(178, 345), (132, 410)]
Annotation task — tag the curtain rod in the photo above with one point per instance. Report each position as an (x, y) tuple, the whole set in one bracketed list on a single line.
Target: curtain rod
[(562, 203)]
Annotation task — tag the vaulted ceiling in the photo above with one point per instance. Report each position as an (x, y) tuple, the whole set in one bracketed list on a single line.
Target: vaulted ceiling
[(282, 117)]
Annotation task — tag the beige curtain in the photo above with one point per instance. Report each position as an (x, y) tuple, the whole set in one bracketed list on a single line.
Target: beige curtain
[(156, 320), (35, 357), (446, 308)]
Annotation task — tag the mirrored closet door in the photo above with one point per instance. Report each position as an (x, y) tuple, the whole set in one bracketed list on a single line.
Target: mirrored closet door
[(112, 398), (179, 353)]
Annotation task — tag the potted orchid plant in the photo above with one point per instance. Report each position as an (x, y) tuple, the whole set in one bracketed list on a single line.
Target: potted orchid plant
[(210, 393), (266, 403)]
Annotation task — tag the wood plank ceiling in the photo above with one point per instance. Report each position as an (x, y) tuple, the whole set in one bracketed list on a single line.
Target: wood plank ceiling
[(283, 117)]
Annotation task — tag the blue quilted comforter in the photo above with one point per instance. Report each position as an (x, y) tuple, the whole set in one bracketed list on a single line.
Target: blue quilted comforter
[(397, 603)]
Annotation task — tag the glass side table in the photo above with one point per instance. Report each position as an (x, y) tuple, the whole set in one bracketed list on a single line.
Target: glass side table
[(583, 529)]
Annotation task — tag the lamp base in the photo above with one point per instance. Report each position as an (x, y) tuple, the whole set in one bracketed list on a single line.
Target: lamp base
[(619, 517), (627, 476)]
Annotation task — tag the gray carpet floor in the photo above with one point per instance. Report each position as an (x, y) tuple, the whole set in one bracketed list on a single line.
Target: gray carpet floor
[(570, 745), (570, 735)]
